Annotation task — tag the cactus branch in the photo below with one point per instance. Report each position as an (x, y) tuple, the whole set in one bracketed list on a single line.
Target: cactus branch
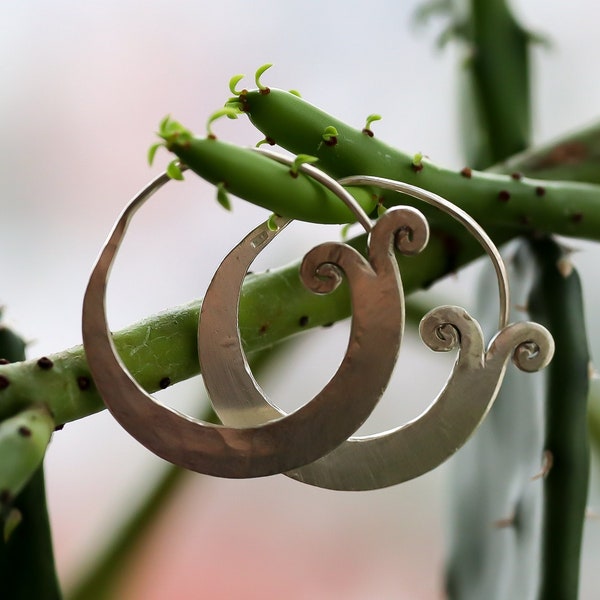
[(521, 205), (556, 302), (165, 345), (26, 555), (494, 81)]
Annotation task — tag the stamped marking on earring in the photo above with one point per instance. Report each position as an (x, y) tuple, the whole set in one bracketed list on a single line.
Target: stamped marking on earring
[(260, 239)]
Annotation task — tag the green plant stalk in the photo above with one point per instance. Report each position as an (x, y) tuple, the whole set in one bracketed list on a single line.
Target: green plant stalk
[(27, 567), (495, 114), (520, 205), (278, 298), (496, 509), (26, 556), (274, 305), (265, 182), (556, 301), (23, 442), (164, 345), (494, 82)]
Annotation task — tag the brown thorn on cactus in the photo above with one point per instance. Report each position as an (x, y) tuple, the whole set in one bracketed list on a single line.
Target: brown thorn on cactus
[(525, 220), (164, 383), (24, 431), (564, 266), (467, 172), (4, 382), (45, 363), (504, 195), (517, 176), (547, 463), (540, 191), (576, 217), (505, 522), (83, 383), (303, 321), (263, 328), (4, 361)]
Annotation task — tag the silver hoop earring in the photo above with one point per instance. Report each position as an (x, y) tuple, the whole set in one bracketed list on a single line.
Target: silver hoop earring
[(392, 457), (286, 442)]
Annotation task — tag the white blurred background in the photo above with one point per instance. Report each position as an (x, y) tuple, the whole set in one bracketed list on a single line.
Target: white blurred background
[(83, 87)]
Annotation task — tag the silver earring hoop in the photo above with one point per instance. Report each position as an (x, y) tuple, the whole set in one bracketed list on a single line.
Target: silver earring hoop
[(403, 453), (286, 442)]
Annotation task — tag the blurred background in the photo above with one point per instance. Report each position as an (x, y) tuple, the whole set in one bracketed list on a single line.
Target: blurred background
[(83, 87)]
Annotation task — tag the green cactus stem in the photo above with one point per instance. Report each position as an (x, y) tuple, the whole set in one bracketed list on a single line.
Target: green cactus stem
[(493, 82), (259, 179), (556, 302), (274, 305), (520, 205), (27, 569), (26, 556), (23, 441), (520, 486)]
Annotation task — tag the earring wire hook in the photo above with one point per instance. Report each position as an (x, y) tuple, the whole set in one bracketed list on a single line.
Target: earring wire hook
[(330, 183)]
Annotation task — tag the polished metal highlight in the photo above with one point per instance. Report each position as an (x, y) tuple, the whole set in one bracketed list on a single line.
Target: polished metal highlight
[(284, 442), (403, 453)]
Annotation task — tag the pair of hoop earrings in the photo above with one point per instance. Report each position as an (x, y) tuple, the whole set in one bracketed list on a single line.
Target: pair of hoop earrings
[(313, 444)]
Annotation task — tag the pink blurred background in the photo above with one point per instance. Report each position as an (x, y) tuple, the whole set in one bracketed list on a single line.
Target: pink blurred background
[(84, 86)]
